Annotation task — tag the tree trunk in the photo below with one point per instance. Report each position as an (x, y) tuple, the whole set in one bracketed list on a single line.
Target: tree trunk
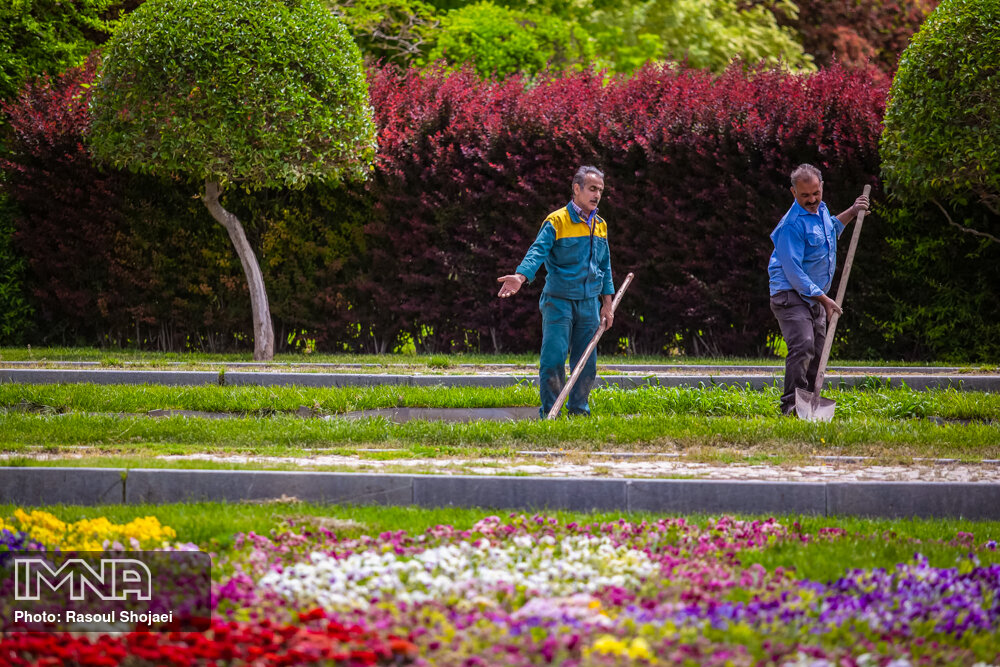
[(263, 329)]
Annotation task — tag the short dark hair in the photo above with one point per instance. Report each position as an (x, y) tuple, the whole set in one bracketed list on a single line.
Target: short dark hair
[(806, 170), (582, 172)]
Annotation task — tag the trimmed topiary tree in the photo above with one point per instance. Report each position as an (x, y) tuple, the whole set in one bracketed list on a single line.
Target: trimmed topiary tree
[(941, 165), (253, 93), (941, 143)]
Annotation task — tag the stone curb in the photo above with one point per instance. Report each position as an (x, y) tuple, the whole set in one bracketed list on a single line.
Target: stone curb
[(62, 486), (755, 382), (93, 486)]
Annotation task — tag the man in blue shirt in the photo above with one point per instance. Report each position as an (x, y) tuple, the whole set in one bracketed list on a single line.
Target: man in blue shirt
[(572, 244), (801, 273)]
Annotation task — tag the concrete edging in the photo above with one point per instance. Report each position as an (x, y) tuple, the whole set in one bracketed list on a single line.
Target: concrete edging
[(93, 486)]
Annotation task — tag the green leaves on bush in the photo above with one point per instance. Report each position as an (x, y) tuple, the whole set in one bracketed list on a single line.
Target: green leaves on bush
[(38, 36), (397, 31), (499, 41), (707, 33), (620, 37), (941, 163), (262, 92), (942, 124), (15, 314)]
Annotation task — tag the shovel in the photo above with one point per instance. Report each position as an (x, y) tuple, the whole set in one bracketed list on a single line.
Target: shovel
[(561, 398), (810, 405)]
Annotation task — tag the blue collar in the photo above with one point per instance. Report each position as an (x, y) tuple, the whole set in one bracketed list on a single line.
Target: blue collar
[(798, 209)]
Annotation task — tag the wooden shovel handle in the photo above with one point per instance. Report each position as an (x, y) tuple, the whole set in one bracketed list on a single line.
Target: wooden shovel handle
[(557, 406), (845, 274)]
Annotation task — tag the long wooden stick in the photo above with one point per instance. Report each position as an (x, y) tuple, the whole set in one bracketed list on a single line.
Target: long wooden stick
[(832, 326), (586, 353)]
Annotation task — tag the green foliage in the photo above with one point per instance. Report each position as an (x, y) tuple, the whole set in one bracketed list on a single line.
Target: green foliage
[(312, 241), (942, 125), (621, 37), (260, 92), (941, 167), (942, 287), (708, 33), (397, 31), (38, 36), (15, 314), (499, 41)]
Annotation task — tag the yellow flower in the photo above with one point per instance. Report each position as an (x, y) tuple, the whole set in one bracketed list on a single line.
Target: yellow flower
[(609, 645), (89, 534), (639, 649)]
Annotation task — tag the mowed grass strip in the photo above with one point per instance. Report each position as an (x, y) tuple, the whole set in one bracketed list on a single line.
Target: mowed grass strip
[(871, 402), (651, 433), (253, 400)]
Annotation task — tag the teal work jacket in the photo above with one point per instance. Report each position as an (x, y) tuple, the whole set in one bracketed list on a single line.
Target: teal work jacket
[(576, 257)]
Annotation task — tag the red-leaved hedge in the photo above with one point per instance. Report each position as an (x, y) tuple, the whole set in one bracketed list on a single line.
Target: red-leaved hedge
[(696, 174)]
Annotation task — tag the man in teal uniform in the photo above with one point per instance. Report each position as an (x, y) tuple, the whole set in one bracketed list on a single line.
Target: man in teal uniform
[(572, 244)]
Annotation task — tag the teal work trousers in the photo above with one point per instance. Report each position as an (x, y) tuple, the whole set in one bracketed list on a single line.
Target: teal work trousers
[(568, 325)]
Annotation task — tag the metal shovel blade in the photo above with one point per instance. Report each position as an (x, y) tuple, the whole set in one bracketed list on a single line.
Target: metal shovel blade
[(813, 407)]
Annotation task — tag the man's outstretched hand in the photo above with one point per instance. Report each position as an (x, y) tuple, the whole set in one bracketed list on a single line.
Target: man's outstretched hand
[(511, 284)]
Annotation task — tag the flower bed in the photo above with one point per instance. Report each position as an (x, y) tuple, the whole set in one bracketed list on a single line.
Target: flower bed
[(532, 590)]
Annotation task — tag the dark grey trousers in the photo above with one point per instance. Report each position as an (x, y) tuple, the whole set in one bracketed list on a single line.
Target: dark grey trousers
[(803, 327)]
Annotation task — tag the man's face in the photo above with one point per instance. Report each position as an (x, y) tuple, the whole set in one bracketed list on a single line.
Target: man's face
[(589, 195), (808, 193)]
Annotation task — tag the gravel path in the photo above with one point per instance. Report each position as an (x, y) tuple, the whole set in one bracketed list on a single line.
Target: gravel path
[(823, 470)]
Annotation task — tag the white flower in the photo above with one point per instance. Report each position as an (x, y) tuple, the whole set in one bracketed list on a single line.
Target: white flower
[(577, 564)]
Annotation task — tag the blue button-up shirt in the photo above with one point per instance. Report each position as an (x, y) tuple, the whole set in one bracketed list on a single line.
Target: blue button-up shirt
[(805, 252)]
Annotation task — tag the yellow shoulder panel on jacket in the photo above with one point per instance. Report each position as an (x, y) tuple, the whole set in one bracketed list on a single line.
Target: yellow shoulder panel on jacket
[(600, 228), (565, 227)]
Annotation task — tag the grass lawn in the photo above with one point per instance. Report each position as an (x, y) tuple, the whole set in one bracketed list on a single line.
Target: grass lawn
[(106, 425)]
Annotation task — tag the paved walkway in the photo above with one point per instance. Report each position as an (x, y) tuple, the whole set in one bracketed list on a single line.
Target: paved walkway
[(645, 467)]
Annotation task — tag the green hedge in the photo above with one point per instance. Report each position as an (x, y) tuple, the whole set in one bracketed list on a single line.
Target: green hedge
[(15, 314)]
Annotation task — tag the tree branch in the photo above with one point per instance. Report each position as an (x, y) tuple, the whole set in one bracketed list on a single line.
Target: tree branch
[(990, 202), (967, 230)]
